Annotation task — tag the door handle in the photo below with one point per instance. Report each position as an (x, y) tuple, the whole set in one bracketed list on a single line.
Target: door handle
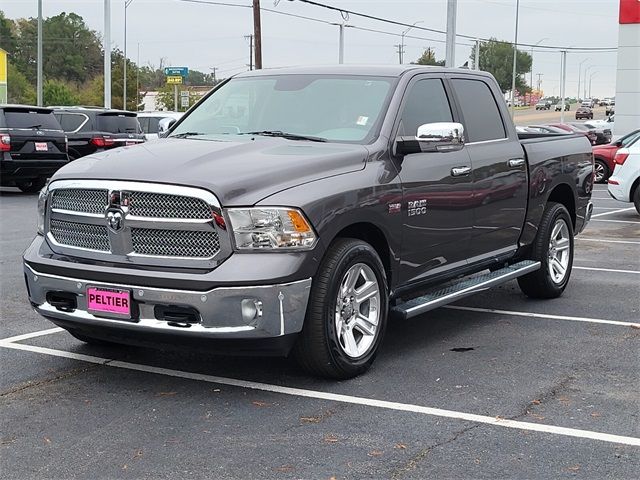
[(516, 162), (460, 171)]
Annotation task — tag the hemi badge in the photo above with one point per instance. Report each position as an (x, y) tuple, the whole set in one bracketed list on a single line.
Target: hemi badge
[(395, 207)]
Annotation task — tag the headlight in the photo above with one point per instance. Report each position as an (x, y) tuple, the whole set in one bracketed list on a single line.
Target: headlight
[(42, 207), (271, 228)]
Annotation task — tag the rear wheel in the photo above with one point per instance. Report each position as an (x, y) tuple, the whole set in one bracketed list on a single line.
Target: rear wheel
[(601, 171), (347, 312), (32, 186), (553, 248)]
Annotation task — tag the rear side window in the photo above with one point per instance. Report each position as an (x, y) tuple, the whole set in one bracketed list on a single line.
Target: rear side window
[(149, 124), (31, 119), (70, 122), (426, 103), (482, 119), (117, 124)]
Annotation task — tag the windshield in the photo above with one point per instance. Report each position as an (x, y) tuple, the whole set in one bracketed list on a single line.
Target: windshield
[(337, 108), (118, 123)]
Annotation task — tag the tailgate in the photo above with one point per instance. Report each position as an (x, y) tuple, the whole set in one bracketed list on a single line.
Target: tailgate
[(37, 145)]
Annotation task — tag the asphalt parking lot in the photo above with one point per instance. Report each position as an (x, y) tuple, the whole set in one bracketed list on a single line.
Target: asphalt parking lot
[(496, 386)]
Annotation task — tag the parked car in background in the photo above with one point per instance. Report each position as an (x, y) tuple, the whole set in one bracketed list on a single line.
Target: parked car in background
[(610, 108), (547, 129), (558, 107), (589, 103), (603, 131), (543, 105), (624, 182), (590, 133), (95, 129), (32, 146), (584, 112), (603, 155), (149, 122)]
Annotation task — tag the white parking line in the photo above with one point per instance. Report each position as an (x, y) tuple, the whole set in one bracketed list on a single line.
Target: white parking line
[(613, 270), (544, 315), (334, 397), (27, 336), (613, 221), (612, 212), (604, 240)]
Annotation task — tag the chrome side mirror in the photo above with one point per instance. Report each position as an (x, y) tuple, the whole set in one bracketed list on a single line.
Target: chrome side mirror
[(433, 137)]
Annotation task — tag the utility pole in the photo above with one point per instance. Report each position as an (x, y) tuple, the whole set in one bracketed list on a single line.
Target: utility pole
[(39, 68), (138, 80), (539, 81), (477, 55), (450, 56), (124, 80), (107, 53), (341, 44), (401, 48), (213, 70), (563, 81), (400, 52), (515, 57), (257, 34), (250, 38), (579, 75), (591, 78)]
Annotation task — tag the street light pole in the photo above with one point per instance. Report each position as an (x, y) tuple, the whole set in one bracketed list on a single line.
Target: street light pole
[(579, 74), (124, 81), (450, 56), (563, 80), (531, 76), (107, 53), (515, 56), (590, 78), (39, 54), (401, 51)]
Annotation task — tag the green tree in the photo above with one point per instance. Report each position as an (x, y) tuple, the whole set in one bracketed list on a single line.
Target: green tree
[(428, 57), (19, 88), (8, 38), (56, 92), (496, 57)]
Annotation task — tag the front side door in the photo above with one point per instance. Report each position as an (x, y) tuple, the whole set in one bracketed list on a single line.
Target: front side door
[(437, 188), (499, 170)]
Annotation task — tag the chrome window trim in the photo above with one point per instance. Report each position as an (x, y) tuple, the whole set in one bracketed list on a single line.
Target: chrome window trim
[(86, 119), (488, 141)]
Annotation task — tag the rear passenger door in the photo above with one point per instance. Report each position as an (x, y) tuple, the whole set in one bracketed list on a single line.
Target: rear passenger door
[(499, 168), (437, 204)]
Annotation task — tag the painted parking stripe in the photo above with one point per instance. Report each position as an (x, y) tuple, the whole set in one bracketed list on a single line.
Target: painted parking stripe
[(613, 221), (612, 270), (334, 397), (612, 212), (27, 336), (606, 240), (544, 315)]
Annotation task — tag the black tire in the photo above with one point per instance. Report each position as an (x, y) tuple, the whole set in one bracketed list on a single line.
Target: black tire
[(32, 186), (318, 349), (602, 166), (636, 198), (540, 284), (90, 340)]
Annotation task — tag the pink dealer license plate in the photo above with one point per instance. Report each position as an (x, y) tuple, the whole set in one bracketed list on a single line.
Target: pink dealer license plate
[(103, 301)]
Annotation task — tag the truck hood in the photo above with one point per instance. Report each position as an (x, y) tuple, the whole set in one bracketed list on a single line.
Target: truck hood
[(238, 170)]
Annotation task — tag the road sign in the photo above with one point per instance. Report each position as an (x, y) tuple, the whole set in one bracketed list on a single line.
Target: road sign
[(174, 80), (184, 93), (184, 102), (176, 71)]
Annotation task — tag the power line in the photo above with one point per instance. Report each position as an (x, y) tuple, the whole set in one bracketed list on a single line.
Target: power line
[(344, 11)]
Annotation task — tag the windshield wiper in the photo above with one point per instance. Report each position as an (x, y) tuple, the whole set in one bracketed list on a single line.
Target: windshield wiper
[(35, 126), (288, 136), (186, 134)]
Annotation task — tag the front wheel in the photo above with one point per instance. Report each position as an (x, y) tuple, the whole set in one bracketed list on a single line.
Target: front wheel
[(601, 171), (553, 248), (347, 312)]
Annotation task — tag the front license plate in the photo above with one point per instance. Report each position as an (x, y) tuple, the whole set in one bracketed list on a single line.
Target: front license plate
[(41, 147), (109, 302)]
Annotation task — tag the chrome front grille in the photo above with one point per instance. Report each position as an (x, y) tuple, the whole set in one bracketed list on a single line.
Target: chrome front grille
[(135, 222), (162, 205), (175, 243), (80, 200), (80, 235)]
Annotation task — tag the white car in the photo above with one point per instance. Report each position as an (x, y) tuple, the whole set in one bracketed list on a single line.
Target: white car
[(624, 182), (149, 121)]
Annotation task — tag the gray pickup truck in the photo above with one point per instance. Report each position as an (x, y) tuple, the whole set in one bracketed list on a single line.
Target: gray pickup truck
[(297, 210)]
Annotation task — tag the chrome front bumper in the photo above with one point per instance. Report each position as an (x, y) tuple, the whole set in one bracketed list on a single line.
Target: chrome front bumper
[(251, 312)]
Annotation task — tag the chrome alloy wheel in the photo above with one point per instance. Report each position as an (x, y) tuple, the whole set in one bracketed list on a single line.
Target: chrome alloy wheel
[(357, 310), (599, 172), (559, 254)]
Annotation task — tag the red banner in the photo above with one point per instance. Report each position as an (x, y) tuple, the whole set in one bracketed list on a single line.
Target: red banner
[(629, 11)]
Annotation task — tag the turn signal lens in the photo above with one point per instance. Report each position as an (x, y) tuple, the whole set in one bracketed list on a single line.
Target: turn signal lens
[(299, 223), (5, 143)]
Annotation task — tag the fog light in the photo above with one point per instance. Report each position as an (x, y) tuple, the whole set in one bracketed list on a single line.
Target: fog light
[(251, 309)]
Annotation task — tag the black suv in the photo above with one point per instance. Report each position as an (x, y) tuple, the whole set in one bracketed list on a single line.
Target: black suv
[(32, 146), (94, 129)]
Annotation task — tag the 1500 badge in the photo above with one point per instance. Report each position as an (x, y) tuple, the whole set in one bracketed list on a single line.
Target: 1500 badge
[(417, 207)]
